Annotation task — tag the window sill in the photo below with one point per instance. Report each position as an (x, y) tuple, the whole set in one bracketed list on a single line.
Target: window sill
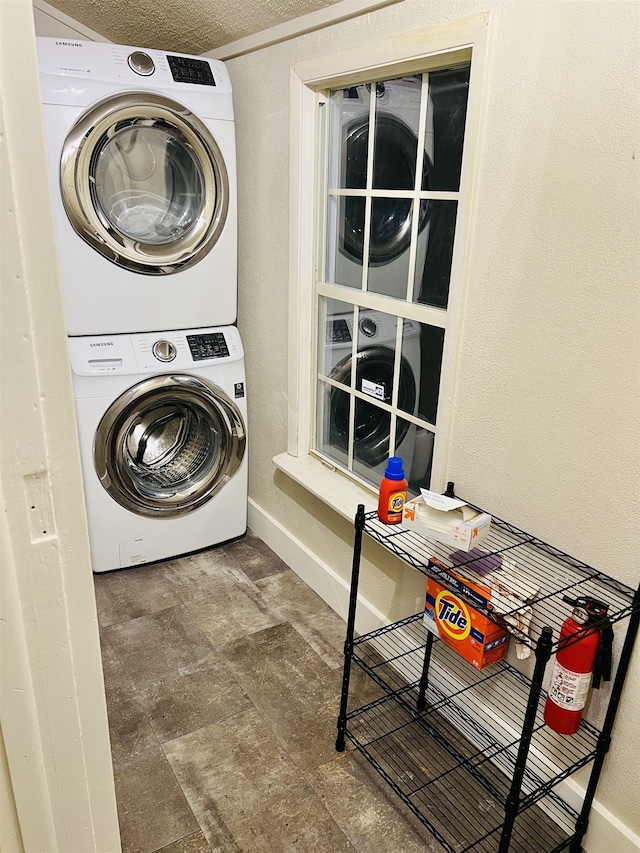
[(327, 484)]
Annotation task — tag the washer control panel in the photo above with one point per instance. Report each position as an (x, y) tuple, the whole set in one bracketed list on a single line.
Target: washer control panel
[(164, 351), (149, 353), (211, 345)]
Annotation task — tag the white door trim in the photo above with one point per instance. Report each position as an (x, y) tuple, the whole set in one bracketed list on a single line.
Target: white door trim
[(52, 702)]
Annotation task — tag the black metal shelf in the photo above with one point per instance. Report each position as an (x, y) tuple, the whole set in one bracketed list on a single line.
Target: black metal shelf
[(486, 707), (463, 809), (553, 574), (467, 750)]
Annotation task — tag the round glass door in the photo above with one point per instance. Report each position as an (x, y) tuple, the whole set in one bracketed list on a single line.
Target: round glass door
[(147, 184), (168, 445), (144, 183)]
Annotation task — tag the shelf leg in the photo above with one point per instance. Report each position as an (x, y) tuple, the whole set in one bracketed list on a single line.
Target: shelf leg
[(543, 653), (604, 741), (351, 622), (424, 678)]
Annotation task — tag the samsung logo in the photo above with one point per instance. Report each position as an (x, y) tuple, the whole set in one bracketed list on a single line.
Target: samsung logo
[(70, 43), (102, 344)]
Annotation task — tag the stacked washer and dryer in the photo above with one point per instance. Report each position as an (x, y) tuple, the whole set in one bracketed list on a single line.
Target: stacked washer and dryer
[(141, 147)]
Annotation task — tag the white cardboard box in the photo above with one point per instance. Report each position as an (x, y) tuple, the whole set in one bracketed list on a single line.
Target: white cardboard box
[(448, 520)]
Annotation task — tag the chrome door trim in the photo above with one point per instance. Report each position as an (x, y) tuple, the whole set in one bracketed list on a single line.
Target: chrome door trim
[(147, 109), (114, 430)]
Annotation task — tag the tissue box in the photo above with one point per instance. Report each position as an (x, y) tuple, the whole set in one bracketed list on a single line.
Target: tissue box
[(468, 632), (446, 519)]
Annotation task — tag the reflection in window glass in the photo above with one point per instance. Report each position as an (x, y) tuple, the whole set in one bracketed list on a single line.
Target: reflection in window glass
[(448, 92), (332, 422), (434, 254), (370, 209), (424, 352), (415, 446), (335, 331)]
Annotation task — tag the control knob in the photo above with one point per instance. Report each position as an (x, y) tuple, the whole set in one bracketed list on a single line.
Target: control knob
[(141, 63), (164, 351)]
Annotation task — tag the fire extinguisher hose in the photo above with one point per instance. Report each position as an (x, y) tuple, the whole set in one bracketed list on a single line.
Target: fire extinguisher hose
[(602, 665)]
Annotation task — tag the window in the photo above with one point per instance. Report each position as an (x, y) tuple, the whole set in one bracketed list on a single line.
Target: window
[(382, 143), (390, 196)]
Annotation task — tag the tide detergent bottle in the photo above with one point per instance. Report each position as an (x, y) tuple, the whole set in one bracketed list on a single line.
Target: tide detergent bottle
[(393, 492)]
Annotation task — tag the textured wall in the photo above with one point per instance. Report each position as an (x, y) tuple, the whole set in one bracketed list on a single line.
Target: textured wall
[(546, 413), (186, 26)]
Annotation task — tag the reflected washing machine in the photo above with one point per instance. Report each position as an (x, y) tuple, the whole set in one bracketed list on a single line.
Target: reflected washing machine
[(141, 150), (397, 122), (162, 429), (374, 377)]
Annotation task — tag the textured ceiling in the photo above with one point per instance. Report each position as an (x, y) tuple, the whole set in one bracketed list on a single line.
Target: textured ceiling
[(186, 26)]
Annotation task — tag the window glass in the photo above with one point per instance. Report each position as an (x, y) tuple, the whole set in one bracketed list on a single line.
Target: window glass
[(448, 92), (335, 334), (332, 422), (422, 347), (434, 253), (390, 226)]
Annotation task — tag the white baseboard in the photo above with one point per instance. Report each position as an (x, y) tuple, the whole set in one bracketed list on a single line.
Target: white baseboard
[(606, 834)]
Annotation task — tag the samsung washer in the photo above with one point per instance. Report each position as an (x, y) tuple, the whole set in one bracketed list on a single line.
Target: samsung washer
[(141, 150), (163, 441)]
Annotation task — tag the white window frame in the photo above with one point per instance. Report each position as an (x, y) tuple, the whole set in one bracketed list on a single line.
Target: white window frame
[(417, 51)]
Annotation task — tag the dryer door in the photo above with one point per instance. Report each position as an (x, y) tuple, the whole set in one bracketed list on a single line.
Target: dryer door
[(144, 183), (167, 445)]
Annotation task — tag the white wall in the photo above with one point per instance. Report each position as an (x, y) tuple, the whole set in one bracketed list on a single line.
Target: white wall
[(546, 412)]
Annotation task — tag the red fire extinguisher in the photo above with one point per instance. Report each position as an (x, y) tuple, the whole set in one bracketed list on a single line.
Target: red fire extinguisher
[(584, 655)]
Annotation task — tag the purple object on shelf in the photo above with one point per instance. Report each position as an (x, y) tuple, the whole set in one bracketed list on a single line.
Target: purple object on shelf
[(478, 561)]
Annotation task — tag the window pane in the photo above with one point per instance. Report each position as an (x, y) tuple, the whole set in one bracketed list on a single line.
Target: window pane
[(422, 349), (345, 241), (348, 137), (434, 253), (389, 244), (396, 133), (408, 388), (415, 446), (335, 330), (371, 441), (332, 423), (376, 354), (448, 92)]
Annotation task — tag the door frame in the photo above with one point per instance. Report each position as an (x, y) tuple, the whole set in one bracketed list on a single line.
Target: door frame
[(58, 775)]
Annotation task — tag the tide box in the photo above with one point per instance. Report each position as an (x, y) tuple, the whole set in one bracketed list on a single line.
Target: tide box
[(448, 520), (468, 632)]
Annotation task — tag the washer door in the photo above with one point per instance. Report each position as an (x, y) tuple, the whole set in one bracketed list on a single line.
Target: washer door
[(372, 424), (168, 445), (396, 148), (144, 183)]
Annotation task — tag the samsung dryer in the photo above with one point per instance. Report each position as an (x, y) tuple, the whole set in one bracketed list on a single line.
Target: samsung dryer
[(163, 442), (141, 151)]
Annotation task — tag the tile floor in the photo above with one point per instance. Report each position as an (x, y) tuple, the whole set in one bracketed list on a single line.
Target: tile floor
[(222, 673)]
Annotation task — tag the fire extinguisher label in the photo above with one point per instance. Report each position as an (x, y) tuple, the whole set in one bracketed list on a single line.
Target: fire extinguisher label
[(569, 689)]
